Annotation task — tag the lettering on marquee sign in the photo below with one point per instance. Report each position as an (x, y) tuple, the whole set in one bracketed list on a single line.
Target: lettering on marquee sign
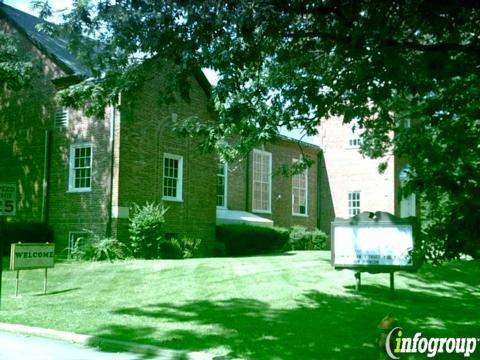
[(369, 240)]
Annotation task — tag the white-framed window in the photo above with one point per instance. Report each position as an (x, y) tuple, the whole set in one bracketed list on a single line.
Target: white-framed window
[(222, 184), (300, 192), (408, 205), (60, 118), (262, 181), (80, 174), (354, 140), (353, 203), (172, 177)]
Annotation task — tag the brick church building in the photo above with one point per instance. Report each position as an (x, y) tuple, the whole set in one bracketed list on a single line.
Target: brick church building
[(81, 173)]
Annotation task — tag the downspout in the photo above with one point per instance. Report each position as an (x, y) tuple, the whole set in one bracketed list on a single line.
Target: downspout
[(159, 160), (319, 190), (46, 177), (112, 166), (247, 183)]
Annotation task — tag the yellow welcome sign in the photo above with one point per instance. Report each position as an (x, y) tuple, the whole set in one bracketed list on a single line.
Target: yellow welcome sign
[(30, 256)]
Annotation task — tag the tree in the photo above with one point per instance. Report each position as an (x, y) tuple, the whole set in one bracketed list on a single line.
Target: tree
[(15, 70), (291, 63)]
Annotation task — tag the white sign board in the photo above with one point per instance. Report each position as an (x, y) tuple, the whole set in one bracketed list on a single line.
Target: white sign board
[(8, 199), (31, 256), (372, 245)]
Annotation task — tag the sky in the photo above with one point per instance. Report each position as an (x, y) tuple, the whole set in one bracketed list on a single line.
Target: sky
[(57, 6), (60, 5)]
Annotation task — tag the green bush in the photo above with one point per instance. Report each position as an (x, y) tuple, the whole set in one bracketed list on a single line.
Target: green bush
[(189, 247), (170, 249), (210, 249), (303, 239), (93, 247), (243, 240), (146, 230), (183, 248), (217, 249), (25, 233)]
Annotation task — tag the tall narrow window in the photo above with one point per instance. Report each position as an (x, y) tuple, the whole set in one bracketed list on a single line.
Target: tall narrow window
[(222, 181), (353, 203), (262, 181), (300, 192), (172, 177), (407, 204), (80, 174)]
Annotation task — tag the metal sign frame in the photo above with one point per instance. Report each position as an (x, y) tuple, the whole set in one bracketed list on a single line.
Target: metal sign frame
[(13, 267), (380, 219)]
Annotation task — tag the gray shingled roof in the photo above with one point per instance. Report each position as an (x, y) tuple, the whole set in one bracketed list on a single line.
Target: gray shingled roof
[(55, 47)]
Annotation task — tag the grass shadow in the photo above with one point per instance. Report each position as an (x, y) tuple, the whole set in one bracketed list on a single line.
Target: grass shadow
[(58, 292), (463, 273), (321, 326)]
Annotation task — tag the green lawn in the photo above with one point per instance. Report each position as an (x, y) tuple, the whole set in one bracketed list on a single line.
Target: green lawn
[(291, 306)]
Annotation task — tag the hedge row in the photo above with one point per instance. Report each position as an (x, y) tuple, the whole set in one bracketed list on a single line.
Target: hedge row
[(241, 240), (232, 240)]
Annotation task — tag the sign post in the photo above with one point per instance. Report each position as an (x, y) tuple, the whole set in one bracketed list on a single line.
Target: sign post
[(8, 207), (30, 256), (2, 221), (392, 282), (16, 283), (373, 242), (358, 280)]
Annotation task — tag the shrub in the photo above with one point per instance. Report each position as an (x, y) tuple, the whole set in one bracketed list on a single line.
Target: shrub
[(145, 229), (25, 233), (243, 240), (93, 247), (217, 249), (183, 248), (303, 239), (189, 247), (170, 249), (210, 249)]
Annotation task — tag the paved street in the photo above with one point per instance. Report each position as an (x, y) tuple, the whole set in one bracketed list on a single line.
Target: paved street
[(15, 347)]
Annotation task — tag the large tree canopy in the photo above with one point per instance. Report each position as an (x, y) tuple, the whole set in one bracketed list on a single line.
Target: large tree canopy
[(293, 63)]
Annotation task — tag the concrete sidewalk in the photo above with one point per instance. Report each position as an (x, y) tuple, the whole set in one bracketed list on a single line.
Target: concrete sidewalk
[(17, 346), (26, 342)]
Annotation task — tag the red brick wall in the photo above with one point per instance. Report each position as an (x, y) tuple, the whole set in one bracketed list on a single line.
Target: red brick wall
[(326, 209), (80, 211), (347, 170), (282, 154), (142, 135), (146, 134), (24, 117)]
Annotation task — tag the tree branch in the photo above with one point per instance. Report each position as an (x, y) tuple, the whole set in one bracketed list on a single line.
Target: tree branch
[(427, 48), (439, 47)]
